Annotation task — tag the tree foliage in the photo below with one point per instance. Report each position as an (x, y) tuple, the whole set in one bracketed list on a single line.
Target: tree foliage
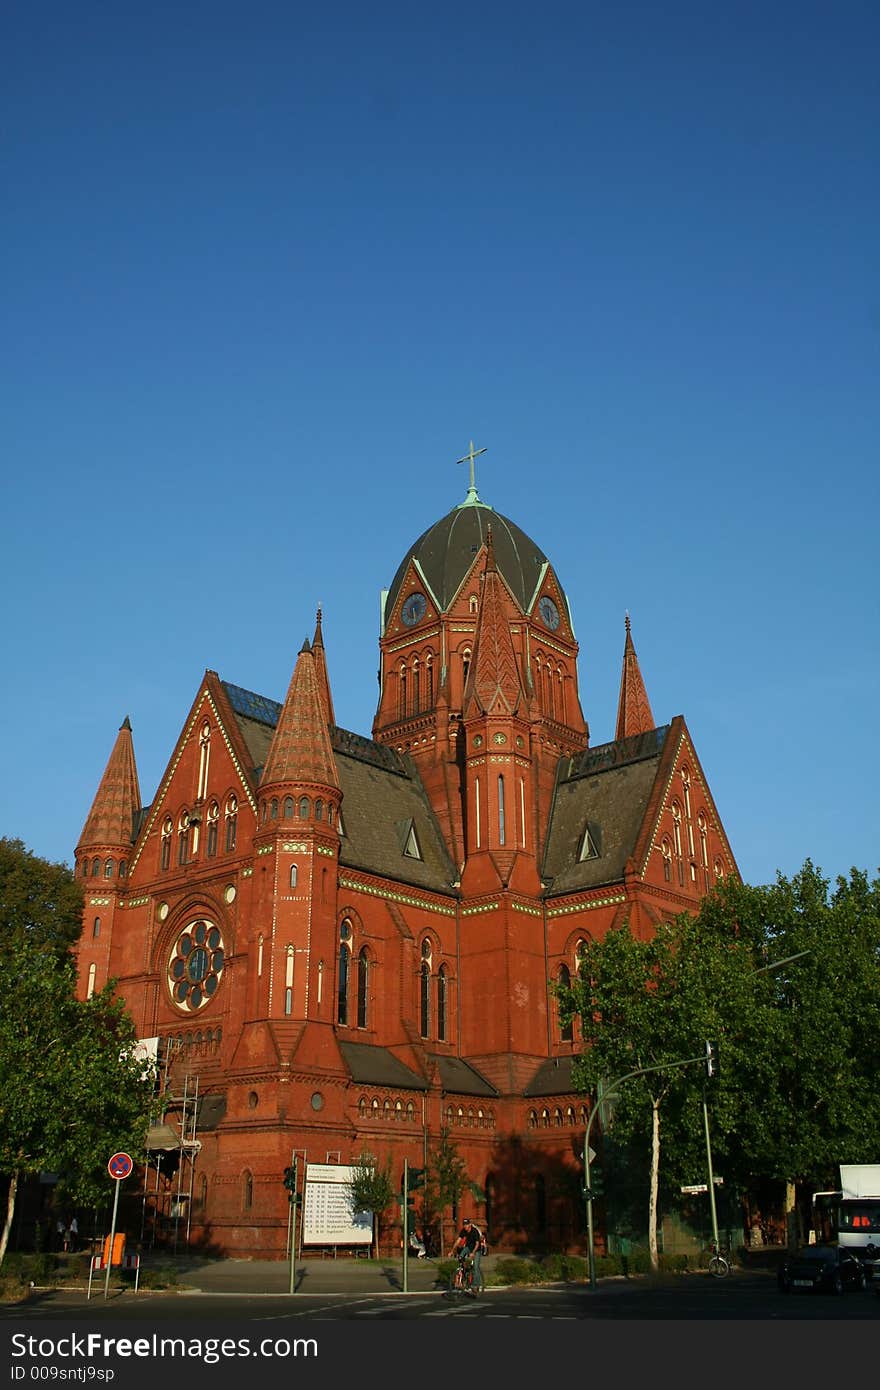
[(786, 979), (72, 1092), (371, 1188)]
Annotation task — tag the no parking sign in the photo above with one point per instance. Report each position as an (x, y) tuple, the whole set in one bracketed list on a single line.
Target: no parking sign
[(120, 1165)]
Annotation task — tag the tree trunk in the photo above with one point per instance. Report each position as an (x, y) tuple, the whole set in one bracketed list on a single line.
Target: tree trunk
[(655, 1184), (791, 1216), (10, 1212)]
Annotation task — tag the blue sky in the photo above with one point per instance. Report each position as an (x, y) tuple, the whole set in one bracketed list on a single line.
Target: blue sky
[(268, 268)]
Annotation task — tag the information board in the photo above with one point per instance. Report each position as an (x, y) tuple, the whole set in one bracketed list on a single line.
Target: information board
[(327, 1218)]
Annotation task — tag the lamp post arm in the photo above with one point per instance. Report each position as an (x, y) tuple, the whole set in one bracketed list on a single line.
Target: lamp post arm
[(588, 1196)]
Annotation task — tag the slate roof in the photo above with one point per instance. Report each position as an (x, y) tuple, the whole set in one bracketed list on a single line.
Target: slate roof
[(382, 799), (553, 1078), (376, 1066), (446, 551), (607, 788), (461, 1078)]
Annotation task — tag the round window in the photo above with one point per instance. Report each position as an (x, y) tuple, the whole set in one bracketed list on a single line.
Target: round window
[(195, 965)]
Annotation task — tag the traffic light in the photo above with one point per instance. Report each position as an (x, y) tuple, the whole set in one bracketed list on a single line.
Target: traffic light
[(711, 1059), (290, 1179)]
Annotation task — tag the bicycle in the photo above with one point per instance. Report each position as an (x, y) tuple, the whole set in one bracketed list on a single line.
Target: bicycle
[(719, 1267), (462, 1280)]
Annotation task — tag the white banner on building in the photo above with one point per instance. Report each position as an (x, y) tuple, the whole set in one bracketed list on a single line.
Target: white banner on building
[(327, 1218)]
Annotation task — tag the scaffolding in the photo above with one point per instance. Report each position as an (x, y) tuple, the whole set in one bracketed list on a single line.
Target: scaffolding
[(172, 1152)]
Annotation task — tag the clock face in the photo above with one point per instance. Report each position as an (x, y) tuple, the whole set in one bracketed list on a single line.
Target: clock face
[(195, 965), (549, 612), (414, 609)]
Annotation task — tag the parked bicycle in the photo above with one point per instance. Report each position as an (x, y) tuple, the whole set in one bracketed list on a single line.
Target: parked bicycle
[(719, 1265)]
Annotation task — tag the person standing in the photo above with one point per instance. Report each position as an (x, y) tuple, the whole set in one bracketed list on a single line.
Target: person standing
[(72, 1235)]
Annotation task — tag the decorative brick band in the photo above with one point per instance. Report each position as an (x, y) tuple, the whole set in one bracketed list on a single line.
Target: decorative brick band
[(524, 907), (484, 907), (587, 907), (396, 897)]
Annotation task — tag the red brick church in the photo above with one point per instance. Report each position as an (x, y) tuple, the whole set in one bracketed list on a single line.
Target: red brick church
[(340, 943)]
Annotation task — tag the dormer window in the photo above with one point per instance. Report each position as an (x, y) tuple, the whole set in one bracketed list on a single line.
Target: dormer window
[(411, 846), (589, 846)]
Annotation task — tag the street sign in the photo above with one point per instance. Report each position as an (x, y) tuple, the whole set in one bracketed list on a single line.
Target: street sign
[(701, 1187), (120, 1165)]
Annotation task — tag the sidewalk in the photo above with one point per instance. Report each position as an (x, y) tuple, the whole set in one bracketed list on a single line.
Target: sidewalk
[(313, 1276)]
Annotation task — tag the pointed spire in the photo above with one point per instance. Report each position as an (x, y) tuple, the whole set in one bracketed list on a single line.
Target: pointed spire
[(321, 667), (300, 750), (110, 822), (633, 708), (493, 681)]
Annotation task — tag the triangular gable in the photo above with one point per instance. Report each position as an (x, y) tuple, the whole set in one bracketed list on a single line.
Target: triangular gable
[(678, 750), (211, 702)]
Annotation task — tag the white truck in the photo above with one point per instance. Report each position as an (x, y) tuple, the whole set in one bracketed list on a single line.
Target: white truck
[(851, 1214)]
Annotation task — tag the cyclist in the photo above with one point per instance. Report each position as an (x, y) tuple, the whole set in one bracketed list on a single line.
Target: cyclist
[(468, 1246)]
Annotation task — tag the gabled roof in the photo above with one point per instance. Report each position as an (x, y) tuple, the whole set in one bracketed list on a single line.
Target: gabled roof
[(460, 1077), (381, 791), (376, 1066), (493, 686), (553, 1078), (609, 789)]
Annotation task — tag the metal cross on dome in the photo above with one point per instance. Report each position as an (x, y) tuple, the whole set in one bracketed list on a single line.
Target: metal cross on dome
[(469, 458)]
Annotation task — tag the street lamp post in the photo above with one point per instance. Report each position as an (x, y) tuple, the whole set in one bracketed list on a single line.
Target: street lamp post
[(588, 1194)]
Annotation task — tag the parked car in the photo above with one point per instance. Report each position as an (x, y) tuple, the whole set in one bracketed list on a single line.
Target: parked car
[(826, 1268)]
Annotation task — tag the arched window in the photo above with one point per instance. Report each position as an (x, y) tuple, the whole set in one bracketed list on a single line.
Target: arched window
[(93, 970), (442, 1001), (362, 983), (666, 852), (204, 754), (386, 1110), (305, 808), (293, 874), (319, 809), (273, 808), (429, 682), (231, 822), (532, 1119), (183, 837), (401, 703), (545, 1118), (247, 1190), (465, 666), (450, 1116), (557, 1117), (415, 686), (425, 989), (501, 810), (288, 980), (213, 826), (563, 978), (167, 829), (96, 927), (288, 808), (398, 1110), (123, 868), (344, 965), (410, 1111), (96, 868), (374, 1108), (362, 1107)]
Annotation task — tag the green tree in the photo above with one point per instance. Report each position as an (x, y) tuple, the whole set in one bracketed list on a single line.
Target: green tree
[(446, 1181), (371, 1189), (72, 1092), (786, 979)]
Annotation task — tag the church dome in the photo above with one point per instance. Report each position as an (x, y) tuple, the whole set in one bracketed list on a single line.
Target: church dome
[(445, 553)]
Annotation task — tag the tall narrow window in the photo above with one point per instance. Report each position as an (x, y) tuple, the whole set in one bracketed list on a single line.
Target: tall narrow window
[(477, 809), (123, 868), (565, 1026), (402, 690), (213, 826), (319, 809), (288, 981), (260, 954), (231, 822), (96, 868), (247, 1191), (344, 964), (305, 808), (293, 874), (93, 970), (425, 990), (666, 851), (686, 788), (108, 868), (96, 927), (676, 839), (704, 849), (501, 810), (363, 978), (415, 686), (429, 681), (465, 668), (442, 1001), (522, 812), (204, 755), (183, 838), (288, 808)]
